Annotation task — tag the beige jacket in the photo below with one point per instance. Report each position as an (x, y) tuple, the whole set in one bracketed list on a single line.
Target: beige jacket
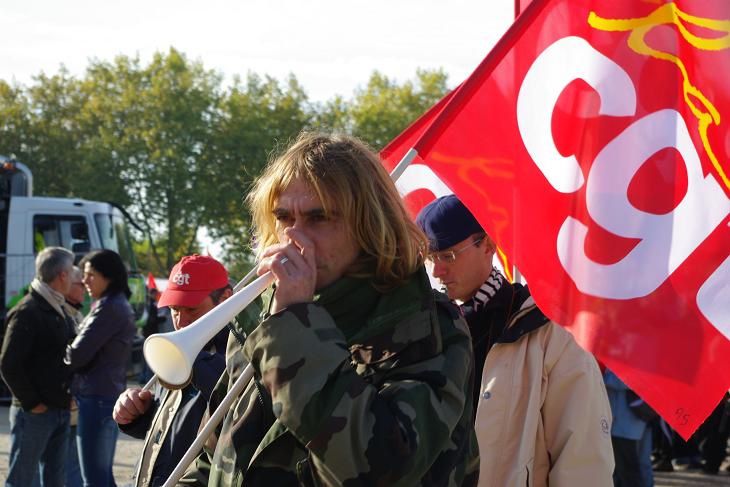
[(543, 416), (159, 429)]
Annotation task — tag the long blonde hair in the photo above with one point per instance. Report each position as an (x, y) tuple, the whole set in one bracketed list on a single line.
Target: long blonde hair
[(349, 179)]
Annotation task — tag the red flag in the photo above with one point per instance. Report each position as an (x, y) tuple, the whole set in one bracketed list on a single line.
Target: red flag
[(419, 185), (520, 6), (151, 284), (592, 143)]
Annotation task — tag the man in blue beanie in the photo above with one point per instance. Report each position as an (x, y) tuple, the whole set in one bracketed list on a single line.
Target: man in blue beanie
[(543, 417)]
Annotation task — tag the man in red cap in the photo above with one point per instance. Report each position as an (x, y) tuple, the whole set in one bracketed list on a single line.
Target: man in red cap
[(169, 420)]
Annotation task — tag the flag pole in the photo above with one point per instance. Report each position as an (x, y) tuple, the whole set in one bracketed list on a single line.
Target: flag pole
[(400, 168), (210, 426), (516, 276)]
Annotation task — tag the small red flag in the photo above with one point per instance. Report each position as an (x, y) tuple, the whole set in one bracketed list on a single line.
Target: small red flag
[(151, 284)]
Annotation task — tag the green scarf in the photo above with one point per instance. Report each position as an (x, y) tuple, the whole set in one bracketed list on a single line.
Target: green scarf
[(350, 301), (361, 312)]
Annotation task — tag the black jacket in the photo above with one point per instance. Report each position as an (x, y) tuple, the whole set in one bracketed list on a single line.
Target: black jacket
[(31, 361)]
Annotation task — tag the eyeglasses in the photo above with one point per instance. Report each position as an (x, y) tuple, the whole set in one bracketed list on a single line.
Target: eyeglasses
[(449, 256)]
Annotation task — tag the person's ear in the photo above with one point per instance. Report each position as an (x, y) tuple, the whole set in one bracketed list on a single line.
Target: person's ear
[(227, 294), (489, 245)]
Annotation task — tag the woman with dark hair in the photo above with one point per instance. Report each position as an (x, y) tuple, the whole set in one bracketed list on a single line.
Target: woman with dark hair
[(99, 357)]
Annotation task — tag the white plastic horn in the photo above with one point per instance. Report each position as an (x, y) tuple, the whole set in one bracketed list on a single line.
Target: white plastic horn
[(171, 355)]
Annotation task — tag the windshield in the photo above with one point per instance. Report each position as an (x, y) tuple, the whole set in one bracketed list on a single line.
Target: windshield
[(114, 236)]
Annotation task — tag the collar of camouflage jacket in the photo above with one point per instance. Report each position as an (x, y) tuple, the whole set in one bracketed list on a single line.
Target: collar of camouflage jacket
[(379, 326)]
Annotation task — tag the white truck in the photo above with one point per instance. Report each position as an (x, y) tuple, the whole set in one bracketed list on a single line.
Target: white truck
[(29, 223)]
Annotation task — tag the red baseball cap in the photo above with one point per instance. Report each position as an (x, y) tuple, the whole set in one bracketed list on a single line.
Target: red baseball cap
[(192, 279)]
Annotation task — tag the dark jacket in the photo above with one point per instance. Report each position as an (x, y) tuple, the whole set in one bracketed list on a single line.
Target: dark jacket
[(32, 354), (100, 352), (172, 422), (487, 324)]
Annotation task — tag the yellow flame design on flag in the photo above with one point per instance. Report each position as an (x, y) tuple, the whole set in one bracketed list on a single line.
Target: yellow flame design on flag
[(506, 265), (669, 13)]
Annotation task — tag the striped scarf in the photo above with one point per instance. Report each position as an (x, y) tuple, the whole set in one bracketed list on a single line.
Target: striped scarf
[(488, 289)]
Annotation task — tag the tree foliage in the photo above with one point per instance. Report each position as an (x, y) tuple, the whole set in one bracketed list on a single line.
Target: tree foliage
[(259, 115), (168, 141), (383, 108), (154, 133), (40, 124)]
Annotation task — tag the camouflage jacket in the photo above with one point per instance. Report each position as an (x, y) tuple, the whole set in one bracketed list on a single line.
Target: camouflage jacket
[(361, 389)]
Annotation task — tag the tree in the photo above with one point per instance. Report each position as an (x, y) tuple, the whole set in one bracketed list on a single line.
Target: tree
[(154, 133), (14, 120), (40, 126), (257, 116), (180, 152), (384, 108)]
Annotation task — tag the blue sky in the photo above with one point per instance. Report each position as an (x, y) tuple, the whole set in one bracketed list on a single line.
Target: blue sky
[(331, 46)]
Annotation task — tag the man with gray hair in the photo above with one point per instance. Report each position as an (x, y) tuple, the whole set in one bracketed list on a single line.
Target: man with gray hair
[(31, 362)]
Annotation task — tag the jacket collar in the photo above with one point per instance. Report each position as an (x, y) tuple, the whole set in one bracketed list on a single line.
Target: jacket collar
[(42, 302), (525, 319), (510, 314), (403, 325), (400, 320)]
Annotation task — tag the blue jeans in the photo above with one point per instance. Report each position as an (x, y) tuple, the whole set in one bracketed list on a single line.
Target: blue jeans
[(37, 439), (73, 469), (96, 439)]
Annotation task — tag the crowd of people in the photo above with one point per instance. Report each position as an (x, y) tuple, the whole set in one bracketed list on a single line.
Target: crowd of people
[(364, 374)]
